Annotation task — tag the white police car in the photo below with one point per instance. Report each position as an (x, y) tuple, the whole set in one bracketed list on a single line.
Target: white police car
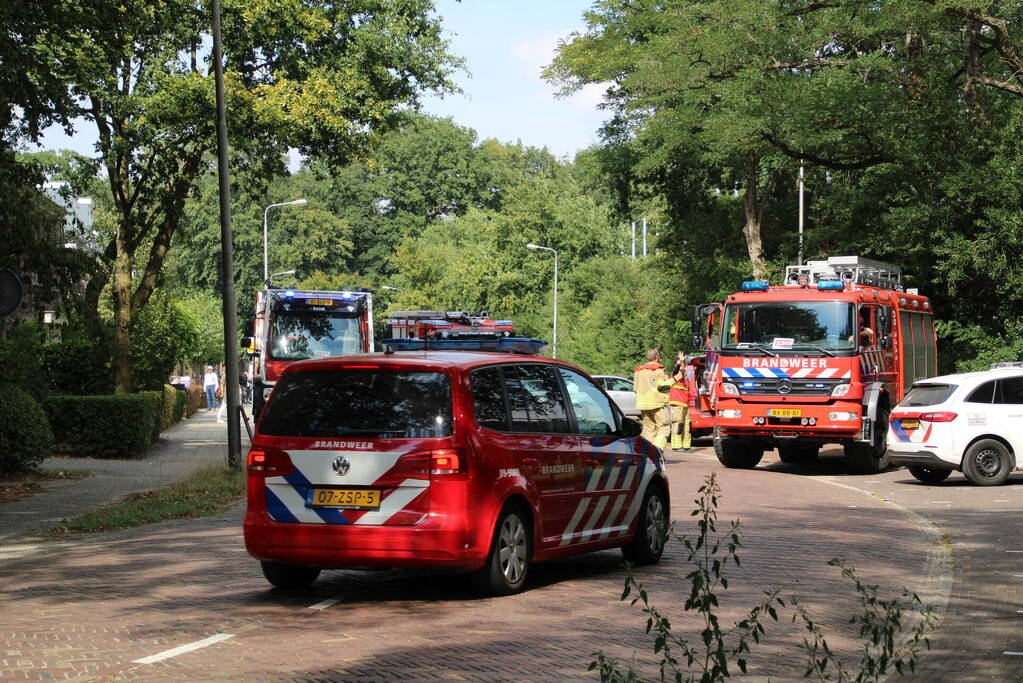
[(971, 422)]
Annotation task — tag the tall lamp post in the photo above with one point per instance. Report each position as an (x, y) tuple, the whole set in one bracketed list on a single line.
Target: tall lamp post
[(554, 343), (266, 247)]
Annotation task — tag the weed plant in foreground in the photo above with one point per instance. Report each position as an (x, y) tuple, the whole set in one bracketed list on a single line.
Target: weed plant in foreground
[(206, 491), (887, 645)]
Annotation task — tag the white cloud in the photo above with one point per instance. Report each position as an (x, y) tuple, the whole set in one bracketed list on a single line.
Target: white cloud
[(534, 53)]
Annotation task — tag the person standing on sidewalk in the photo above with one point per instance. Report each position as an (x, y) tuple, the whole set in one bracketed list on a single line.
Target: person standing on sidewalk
[(651, 385), (679, 396), (210, 383)]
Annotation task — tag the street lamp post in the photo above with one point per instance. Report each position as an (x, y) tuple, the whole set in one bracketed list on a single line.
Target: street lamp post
[(554, 342), (266, 247)]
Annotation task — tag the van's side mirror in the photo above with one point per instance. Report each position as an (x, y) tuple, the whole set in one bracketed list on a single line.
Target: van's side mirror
[(631, 428)]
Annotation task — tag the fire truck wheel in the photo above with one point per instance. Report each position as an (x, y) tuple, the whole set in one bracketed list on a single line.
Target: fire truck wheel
[(866, 459), (988, 463), (737, 454), (289, 576), (929, 475), (511, 551), (647, 545), (796, 454)]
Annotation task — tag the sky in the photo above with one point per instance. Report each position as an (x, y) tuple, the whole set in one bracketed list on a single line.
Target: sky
[(505, 44)]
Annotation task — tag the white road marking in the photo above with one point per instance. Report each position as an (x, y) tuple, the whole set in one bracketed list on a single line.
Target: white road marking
[(1001, 500), (329, 602), (1017, 576), (850, 506), (941, 502), (1014, 551), (1013, 654), (174, 652)]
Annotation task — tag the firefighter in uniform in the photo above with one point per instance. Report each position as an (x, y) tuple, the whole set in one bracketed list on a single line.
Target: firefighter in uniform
[(651, 384), (679, 396)]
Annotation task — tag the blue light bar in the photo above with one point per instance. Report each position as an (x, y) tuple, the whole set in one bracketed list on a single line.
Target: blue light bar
[(830, 285), (533, 347), (290, 293), (755, 286)]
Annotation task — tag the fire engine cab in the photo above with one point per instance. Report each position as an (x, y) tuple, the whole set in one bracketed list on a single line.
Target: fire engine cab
[(820, 359), (445, 325), (292, 325)]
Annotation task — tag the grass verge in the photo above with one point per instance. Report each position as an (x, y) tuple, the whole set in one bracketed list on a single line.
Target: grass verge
[(206, 491)]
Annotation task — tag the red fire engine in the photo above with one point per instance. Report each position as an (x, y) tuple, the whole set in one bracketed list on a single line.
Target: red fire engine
[(820, 359), (445, 325), (293, 325)]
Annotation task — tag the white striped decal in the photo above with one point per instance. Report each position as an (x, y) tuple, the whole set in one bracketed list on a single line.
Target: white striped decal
[(574, 522), (594, 516), (293, 500), (827, 372), (396, 502), (637, 501), (801, 373), (611, 516)]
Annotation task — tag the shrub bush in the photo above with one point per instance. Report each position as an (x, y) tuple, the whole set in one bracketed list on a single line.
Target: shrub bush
[(155, 399), (180, 402), (118, 426), (196, 399), (19, 360), (80, 367), (25, 435), (167, 402)]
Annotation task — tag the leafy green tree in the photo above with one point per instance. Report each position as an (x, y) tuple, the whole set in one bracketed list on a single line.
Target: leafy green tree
[(322, 78), (165, 333)]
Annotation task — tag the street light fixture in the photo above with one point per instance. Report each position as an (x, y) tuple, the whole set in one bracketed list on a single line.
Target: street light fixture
[(283, 272), (554, 342), (266, 248)]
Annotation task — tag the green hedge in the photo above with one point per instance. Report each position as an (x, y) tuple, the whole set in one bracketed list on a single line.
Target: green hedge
[(80, 367), (25, 436), (155, 399), (167, 402), (180, 403), (121, 426), (196, 399)]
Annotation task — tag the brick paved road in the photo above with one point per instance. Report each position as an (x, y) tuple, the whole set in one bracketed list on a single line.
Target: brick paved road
[(87, 610)]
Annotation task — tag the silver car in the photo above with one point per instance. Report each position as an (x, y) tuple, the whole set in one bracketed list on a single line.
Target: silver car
[(620, 390)]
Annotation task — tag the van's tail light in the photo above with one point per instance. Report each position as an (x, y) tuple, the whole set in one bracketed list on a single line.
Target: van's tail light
[(436, 464), (269, 462), (943, 416), (447, 461)]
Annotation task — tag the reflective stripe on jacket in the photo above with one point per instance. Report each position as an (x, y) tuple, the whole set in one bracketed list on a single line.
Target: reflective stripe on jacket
[(681, 392), (651, 384)]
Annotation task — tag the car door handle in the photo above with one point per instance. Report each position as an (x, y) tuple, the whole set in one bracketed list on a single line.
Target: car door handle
[(529, 462)]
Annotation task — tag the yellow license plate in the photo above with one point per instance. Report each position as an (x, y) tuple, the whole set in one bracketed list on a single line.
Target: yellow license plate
[(320, 302), (784, 412), (363, 499), (910, 424)]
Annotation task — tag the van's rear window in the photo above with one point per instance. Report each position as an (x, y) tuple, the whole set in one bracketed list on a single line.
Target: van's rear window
[(927, 395), (374, 404)]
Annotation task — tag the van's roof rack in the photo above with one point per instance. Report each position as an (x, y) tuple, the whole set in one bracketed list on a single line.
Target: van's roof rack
[(533, 347), (1007, 364)]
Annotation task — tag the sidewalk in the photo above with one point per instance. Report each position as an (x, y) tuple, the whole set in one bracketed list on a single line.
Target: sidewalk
[(181, 449)]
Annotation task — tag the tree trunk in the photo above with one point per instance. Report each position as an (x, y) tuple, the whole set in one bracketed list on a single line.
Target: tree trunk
[(121, 288), (752, 228)]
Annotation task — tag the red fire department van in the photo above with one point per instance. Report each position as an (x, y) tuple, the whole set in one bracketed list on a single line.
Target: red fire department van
[(292, 325), (478, 456), (820, 359), (445, 325)]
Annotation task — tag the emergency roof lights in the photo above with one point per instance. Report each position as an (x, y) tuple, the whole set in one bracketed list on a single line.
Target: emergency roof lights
[(830, 286), (755, 286), (533, 347)]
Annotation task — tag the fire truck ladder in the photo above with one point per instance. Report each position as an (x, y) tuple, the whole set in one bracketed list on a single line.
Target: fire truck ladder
[(849, 269)]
